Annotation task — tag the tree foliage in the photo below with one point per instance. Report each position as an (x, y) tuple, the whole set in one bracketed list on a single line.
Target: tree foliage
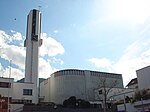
[(143, 94)]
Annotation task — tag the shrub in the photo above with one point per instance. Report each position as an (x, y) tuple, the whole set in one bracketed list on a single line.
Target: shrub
[(72, 102)]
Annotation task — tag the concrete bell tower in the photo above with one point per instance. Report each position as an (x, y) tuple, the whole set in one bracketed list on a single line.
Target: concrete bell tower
[(32, 44)]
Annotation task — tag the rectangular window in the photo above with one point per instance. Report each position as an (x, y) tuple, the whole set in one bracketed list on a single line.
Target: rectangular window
[(27, 91), (5, 84), (34, 22)]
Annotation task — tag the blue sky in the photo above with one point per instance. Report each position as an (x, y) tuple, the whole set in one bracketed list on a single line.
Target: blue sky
[(102, 35)]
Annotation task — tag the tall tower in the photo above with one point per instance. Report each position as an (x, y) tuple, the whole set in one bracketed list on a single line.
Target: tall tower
[(32, 44)]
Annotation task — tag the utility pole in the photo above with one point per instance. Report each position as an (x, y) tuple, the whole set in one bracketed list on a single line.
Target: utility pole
[(8, 108), (142, 104), (125, 109)]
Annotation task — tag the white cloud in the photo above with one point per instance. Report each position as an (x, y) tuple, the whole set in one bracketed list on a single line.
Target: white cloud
[(17, 74), (130, 10), (10, 50), (1, 70), (16, 35), (100, 62), (45, 69), (133, 11), (55, 60), (136, 56), (13, 72), (108, 14), (14, 53), (4, 38), (50, 46)]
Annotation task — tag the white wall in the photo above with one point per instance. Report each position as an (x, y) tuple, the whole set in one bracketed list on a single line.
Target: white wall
[(16, 107), (18, 92), (66, 83), (129, 107), (135, 86), (88, 86), (119, 94), (63, 87), (45, 90), (136, 106), (6, 91), (143, 76), (144, 104)]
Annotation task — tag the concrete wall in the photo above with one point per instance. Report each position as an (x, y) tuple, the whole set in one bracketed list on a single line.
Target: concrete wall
[(139, 106), (129, 107), (16, 107), (6, 91), (18, 92), (80, 83), (45, 91), (66, 86), (143, 76)]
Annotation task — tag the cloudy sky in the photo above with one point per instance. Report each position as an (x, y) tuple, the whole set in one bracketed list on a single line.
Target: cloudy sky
[(103, 35)]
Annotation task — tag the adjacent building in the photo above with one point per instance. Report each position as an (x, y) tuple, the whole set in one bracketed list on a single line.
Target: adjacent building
[(72, 82), (140, 86), (133, 84), (14, 93), (143, 77)]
